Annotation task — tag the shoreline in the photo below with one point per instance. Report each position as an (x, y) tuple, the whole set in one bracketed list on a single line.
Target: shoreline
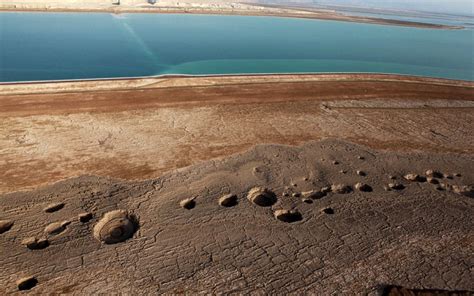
[(242, 75), (266, 11), (183, 80)]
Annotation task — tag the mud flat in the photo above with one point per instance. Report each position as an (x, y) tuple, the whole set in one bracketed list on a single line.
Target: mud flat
[(297, 224), (142, 128), (278, 184)]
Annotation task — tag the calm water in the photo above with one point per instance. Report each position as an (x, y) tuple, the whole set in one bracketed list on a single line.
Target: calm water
[(48, 46)]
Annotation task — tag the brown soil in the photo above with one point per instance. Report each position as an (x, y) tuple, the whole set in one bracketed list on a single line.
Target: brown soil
[(401, 291), (350, 243), (199, 140), (142, 128)]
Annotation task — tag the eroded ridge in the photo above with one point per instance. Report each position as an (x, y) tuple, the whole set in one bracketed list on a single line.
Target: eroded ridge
[(294, 225)]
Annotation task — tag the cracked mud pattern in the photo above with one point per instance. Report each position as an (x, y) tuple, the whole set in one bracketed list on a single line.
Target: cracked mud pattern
[(143, 128), (330, 241)]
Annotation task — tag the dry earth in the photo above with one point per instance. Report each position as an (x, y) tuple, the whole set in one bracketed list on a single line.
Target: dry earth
[(332, 224), (142, 128), (351, 243)]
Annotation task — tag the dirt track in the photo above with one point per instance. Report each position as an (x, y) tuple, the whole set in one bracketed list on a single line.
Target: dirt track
[(140, 129)]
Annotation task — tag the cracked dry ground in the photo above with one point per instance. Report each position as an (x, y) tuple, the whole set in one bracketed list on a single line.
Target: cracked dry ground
[(51, 132), (350, 243)]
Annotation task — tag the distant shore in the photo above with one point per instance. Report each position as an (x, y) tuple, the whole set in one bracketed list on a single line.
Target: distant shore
[(230, 9)]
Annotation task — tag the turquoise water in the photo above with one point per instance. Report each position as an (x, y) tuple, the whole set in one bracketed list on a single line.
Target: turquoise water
[(53, 46)]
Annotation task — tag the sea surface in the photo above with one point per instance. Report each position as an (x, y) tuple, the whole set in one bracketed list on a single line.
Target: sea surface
[(61, 46)]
